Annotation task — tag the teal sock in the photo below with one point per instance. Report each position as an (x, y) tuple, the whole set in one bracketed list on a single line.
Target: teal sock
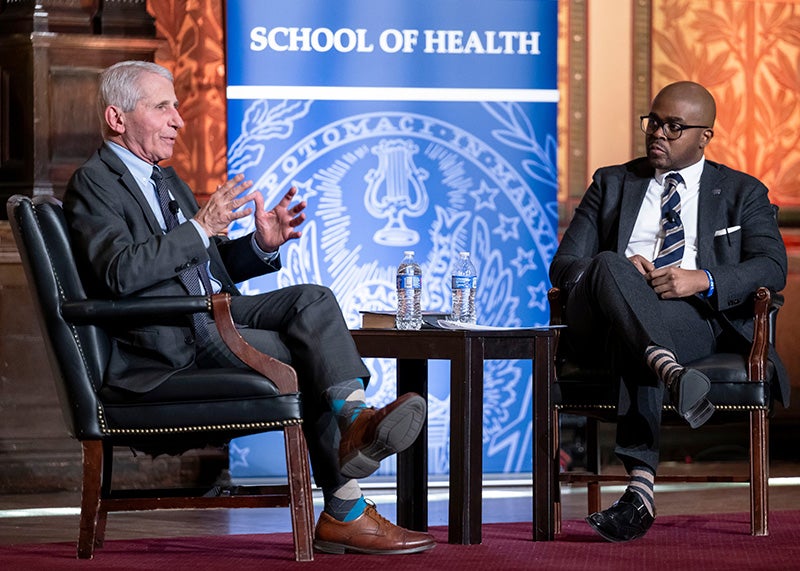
[(345, 503), (347, 400)]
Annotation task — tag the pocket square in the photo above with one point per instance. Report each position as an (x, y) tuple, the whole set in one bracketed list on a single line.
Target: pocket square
[(728, 230)]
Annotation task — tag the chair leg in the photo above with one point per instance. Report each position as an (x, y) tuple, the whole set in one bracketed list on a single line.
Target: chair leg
[(90, 496), (593, 497), (593, 492), (105, 492), (301, 499), (557, 470), (759, 473)]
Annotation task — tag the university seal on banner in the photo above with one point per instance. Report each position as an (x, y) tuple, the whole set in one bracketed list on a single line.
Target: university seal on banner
[(381, 182)]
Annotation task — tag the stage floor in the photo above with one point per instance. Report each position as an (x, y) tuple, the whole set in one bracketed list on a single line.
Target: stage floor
[(45, 518)]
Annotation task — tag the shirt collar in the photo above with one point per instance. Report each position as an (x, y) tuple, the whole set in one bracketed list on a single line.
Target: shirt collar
[(140, 169), (690, 174)]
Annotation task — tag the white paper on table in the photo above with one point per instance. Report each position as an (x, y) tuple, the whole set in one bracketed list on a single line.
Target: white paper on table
[(447, 324)]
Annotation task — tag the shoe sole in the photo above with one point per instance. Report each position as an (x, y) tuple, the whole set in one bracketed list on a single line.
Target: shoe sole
[(699, 413), (396, 432), (608, 537), (341, 549), (692, 403)]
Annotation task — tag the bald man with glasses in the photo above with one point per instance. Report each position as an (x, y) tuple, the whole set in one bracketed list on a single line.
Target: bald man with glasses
[(658, 264)]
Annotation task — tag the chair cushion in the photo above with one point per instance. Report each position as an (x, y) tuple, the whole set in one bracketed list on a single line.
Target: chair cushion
[(596, 388), (226, 400)]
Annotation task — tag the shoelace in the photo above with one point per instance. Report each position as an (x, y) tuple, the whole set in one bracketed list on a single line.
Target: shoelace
[(374, 511)]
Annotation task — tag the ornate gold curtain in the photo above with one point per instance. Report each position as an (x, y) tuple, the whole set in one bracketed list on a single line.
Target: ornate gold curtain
[(747, 53), (195, 54)]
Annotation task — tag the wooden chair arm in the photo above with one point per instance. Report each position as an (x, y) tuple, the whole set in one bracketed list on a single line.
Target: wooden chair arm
[(757, 360), (283, 375), (556, 313), (556, 306)]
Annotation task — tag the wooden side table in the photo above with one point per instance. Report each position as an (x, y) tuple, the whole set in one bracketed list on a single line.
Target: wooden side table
[(466, 350)]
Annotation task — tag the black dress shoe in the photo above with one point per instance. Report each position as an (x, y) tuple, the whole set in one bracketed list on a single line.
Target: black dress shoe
[(625, 520), (688, 395)]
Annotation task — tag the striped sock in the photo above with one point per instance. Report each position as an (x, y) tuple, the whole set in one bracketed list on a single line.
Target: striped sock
[(663, 363), (346, 502), (641, 482), (347, 400)]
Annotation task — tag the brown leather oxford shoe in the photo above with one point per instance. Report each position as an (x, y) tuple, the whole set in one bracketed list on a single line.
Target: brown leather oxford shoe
[(369, 533), (378, 433)]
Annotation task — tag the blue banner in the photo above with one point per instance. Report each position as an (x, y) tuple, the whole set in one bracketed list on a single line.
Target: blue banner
[(428, 126)]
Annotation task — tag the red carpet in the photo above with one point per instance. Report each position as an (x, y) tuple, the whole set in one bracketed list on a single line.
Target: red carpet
[(676, 543)]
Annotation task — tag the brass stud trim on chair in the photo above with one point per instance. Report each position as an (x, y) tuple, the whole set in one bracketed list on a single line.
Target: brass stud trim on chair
[(736, 407), (596, 406), (185, 429), (666, 407)]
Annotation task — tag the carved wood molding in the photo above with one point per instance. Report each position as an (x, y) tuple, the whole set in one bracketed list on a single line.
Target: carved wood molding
[(572, 85)]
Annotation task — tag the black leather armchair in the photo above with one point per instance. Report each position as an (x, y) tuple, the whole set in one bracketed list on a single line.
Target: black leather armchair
[(740, 390), (212, 406)]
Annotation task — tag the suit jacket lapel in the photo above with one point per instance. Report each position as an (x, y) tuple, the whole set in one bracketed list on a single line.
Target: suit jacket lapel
[(709, 212), (129, 183), (185, 199), (634, 189)]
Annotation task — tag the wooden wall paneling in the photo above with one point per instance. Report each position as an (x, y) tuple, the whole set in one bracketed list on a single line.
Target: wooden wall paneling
[(642, 71), (51, 53), (16, 148)]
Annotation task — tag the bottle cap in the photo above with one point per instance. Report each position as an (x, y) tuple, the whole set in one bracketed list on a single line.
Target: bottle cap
[(408, 253)]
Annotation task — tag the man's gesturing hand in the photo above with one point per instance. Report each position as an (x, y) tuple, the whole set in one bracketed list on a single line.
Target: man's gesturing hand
[(276, 226), (216, 215)]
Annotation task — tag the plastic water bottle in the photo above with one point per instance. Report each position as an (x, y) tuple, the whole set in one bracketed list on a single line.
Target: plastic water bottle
[(409, 293), (464, 283)]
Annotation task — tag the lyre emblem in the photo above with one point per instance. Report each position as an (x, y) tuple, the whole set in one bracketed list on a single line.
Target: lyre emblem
[(395, 190)]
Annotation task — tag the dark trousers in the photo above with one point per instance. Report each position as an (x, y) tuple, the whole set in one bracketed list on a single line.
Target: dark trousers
[(303, 326), (613, 315)]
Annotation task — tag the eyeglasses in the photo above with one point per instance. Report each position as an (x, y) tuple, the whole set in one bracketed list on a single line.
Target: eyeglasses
[(671, 129)]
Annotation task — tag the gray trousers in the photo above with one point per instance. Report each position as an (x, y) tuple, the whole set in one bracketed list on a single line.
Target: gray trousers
[(303, 326), (613, 315)]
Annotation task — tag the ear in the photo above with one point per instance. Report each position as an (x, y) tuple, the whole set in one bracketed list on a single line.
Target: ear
[(706, 137), (115, 119)]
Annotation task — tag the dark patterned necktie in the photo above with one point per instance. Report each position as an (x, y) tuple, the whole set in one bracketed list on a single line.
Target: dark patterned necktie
[(191, 277), (671, 252)]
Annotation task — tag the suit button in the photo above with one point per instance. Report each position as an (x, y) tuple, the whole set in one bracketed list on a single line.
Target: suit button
[(189, 340), (193, 261)]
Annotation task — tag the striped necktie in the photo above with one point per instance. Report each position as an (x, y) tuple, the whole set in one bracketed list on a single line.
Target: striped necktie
[(190, 277), (671, 252)]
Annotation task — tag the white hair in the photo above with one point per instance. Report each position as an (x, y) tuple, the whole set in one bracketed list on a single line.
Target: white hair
[(119, 86)]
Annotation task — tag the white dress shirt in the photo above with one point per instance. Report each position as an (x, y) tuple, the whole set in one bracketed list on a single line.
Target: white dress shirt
[(646, 237)]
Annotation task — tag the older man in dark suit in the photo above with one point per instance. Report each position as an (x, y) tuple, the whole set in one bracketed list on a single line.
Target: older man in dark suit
[(659, 262), (138, 231)]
